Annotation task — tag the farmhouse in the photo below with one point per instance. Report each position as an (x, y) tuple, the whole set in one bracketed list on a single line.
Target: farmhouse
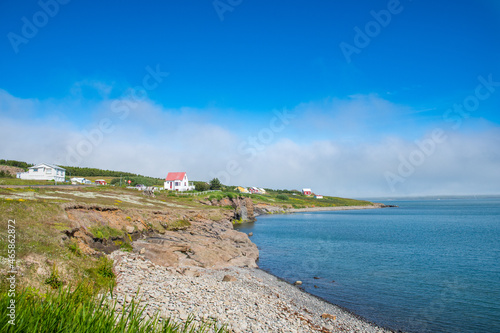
[(44, 171), (306, 191), (318, 196), (100, 182), (178, 181)]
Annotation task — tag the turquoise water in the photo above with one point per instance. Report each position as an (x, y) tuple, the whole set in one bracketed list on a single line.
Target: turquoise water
[(426, 266)]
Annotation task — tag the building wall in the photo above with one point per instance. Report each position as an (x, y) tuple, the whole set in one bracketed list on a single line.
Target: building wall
[(179, 185), (43, 173)]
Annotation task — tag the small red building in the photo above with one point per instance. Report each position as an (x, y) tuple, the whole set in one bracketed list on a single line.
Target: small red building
[(306, 191), (100, 182)]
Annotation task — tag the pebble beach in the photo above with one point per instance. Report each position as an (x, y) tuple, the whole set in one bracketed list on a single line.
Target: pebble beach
[(242, 299)]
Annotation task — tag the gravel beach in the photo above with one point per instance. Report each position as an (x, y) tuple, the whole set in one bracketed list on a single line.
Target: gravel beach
[(244, 299)]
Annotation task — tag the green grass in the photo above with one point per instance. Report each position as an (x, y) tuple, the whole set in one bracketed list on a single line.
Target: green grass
[(178, 225), (16, 181), (80, 310), (106, 232)]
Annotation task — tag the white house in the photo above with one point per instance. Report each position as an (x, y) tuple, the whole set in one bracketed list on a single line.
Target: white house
[(318, 196), (76, 180), (254, 190), (44, 171), (178, 181)]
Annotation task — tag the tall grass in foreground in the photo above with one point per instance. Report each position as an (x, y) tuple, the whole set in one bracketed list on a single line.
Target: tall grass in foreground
[(81, 311)]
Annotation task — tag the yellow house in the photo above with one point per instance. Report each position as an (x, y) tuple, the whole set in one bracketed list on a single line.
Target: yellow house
[(242, 189)]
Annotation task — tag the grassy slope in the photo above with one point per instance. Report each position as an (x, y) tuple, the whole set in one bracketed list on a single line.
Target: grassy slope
[(47, 261)]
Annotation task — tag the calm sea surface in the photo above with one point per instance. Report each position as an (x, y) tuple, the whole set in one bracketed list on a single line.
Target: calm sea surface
[(427, 266)]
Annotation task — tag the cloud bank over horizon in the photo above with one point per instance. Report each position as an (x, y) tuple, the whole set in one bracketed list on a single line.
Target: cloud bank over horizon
[(358, 146)]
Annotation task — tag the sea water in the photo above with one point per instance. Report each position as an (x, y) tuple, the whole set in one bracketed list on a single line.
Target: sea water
[(428, 265)]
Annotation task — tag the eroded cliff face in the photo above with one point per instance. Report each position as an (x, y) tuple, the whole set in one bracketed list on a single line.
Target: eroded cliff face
[(243, 208), (173, 238)]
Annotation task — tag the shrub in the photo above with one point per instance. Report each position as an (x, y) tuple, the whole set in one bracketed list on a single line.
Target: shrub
[(54, 281), (105, 232), (201, 186), (127, 247), (5, 174), (105, 268), (74, 248), (282, 197), (215, 184)]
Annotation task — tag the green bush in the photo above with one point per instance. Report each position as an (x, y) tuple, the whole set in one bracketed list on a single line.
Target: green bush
[(105, 232), (201, 186), (127, 247), (74, 248), (5, 174), (54, 280), (215, 184), (105, 268), (282, 197)]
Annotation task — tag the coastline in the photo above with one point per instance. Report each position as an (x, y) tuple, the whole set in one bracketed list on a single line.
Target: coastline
[(337, 208), (245, 299), (234, 291), (261, 209)]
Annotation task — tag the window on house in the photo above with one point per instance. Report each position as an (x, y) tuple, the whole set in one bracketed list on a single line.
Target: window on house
[(35, 170)]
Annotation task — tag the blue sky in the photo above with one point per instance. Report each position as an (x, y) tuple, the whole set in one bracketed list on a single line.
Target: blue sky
[(232, 65)]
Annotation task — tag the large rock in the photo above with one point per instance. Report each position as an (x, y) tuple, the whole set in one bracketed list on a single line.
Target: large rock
[(205, 244)]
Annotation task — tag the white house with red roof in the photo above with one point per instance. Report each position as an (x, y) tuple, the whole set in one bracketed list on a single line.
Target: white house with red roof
[(178, 181)]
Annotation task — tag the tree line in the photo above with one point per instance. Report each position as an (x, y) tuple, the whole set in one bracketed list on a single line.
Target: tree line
[(18, 164), (93, 172)]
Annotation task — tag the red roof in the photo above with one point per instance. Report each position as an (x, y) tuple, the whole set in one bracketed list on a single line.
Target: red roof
[(175, 176)]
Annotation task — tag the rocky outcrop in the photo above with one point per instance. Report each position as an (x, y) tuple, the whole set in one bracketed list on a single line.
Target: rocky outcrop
[(170, 238), (205, 243), (243, 207)]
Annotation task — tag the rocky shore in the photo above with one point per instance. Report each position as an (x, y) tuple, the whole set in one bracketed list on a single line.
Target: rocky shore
[(191, 262), (244, 299), (209, 271)]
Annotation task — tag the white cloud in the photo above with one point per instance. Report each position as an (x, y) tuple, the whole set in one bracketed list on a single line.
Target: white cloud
[(152, 140)]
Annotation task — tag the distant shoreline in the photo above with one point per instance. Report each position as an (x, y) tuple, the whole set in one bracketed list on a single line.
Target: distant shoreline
[(337, 208)]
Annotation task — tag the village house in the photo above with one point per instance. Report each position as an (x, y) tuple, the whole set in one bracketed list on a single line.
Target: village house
[(253, 190), (100, 182), (44, 171), (80, 180), (318, 196), (306, 191), (242, 189), (178, 181)]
